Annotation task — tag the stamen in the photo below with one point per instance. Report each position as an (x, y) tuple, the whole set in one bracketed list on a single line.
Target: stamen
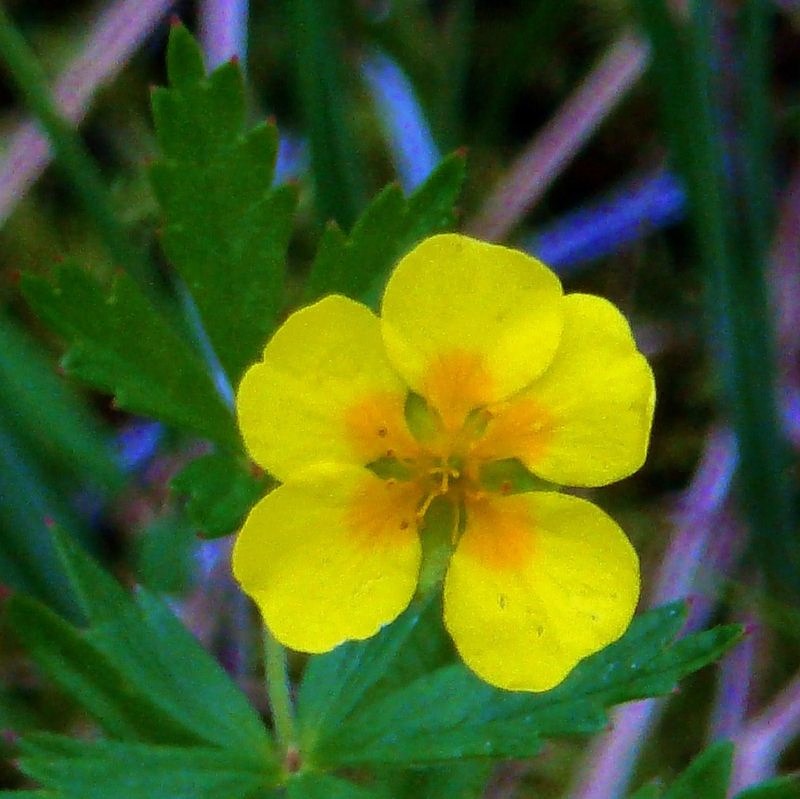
[(423, 509)]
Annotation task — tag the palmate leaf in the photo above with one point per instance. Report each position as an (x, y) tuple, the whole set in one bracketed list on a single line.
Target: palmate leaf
[(226, 229), (101, 769), (450, 714), (336, 684), (136, 669), (358, 264), (118, 342)]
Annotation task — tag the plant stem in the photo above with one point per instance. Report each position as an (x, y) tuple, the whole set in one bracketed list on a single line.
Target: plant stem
[(557, 143), (280, 701)]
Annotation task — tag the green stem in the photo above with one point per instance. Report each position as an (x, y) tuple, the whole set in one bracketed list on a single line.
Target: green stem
[(70, 153), (280, 701)]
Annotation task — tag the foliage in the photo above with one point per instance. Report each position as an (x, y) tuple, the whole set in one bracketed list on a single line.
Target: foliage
[(135, 706)]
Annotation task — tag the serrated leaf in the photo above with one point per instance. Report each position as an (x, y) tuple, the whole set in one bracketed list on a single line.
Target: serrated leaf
[(358, 264), (221, 490), (83, 672), (336, 683), (310, 785), (98, 770), (450, 713), (226, 229), (136, 669), (707, 776), (118, 343)]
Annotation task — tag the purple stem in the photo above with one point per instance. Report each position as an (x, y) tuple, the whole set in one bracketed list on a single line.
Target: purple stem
[(697, 542), (613, 754), (115, 36), (553, 148), (606, 226), (223, 30), (733, 690), (414, 151), (762, 741), (765, 738)]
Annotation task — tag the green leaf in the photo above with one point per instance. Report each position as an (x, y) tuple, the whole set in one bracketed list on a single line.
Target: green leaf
[(221, 490), (226, 229), (28, 561), (310, 785), (103, 769), (43, 410), (15, 713), (120, 344), (780, 788), (337, 683), (708, 775), (77, 665), (164, 554), (450, 714), (651, 791), (359, 264), (136, 669), (463, 780)]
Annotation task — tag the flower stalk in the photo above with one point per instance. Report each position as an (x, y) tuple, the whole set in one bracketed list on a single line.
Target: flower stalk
[(276, 673)]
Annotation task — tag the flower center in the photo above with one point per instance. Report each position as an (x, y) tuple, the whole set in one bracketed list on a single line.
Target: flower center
[(443, 479)]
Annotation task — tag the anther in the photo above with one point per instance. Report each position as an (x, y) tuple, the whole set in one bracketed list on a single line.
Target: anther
[(383, 432), (389, 453), (404, 524)]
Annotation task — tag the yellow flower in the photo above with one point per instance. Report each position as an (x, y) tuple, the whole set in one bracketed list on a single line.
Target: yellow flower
[(478, 364)]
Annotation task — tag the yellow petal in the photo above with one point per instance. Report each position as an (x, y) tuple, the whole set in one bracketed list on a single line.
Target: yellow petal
[(324, 391), (537, 582), (467, 323), (586, 421), (330, 556)]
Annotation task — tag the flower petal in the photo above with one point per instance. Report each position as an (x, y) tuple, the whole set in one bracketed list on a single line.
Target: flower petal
[(467, 323), (330, 556), (586, 421), (538, 582), (324, 391)]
